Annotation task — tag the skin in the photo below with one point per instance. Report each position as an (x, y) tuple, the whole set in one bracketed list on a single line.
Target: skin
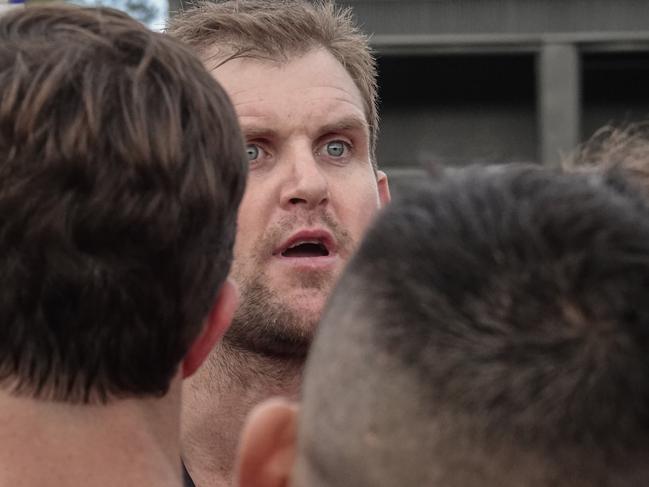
[(130, 442), (311, 178)]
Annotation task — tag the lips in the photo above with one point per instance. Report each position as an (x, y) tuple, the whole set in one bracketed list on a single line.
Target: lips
[(307, 244)]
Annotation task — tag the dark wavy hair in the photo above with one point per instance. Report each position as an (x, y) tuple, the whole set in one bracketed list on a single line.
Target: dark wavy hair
[(121, 171)]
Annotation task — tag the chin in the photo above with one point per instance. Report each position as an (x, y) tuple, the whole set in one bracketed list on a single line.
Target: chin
[(307, 303)]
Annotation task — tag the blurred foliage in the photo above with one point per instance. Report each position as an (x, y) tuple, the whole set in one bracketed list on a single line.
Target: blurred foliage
[(146, 11), (143, 10)]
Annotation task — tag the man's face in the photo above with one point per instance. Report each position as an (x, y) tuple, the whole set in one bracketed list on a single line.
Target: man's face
[(311, 193)]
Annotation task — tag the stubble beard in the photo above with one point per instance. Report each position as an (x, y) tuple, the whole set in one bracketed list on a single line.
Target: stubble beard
[(265, 323), (267, 326)]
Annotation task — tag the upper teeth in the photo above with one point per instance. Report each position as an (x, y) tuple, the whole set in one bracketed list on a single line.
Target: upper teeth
[(301, 242)]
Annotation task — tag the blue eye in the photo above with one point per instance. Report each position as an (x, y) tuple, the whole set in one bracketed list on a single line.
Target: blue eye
[(252, 150), (336, 148)]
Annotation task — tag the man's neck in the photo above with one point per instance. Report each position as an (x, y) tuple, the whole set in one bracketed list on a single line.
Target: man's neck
[(218, 399), (125, 442)]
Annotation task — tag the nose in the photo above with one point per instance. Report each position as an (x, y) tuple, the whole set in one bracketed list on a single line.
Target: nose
[(306, 184)]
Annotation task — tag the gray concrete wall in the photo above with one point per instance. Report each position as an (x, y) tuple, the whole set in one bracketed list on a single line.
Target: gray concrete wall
[(499, 16), (585, 64)]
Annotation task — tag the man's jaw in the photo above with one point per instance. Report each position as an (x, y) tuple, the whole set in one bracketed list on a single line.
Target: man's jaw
[(279, 310), (284, 284), (271, 327)]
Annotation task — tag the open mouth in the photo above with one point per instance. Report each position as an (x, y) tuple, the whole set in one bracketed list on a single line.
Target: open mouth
[(307, 244), (306, 249)]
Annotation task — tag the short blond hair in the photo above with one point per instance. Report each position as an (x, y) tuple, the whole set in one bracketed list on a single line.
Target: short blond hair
[(280, 30), (624, 148)]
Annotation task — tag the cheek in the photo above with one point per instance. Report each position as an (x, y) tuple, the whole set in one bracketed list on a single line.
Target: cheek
[(250, 221), (367, 216), (360, 210)]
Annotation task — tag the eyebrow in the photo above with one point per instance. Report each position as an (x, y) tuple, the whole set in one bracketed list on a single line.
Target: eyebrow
[(346, 123), (257, 132)]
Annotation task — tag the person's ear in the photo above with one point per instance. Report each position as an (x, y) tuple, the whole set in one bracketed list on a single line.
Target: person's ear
[(384, 188), (267, 446), (216, 324)]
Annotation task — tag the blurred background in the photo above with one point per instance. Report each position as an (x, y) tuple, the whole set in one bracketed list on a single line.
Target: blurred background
[(483, 81)]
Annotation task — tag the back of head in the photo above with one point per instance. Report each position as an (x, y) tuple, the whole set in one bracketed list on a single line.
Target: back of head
[(280, 30), (121, 169), (492, 331)]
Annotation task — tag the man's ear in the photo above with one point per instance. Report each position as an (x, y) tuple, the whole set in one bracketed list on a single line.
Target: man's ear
[(216, 324), (384, 188), (267, 446)]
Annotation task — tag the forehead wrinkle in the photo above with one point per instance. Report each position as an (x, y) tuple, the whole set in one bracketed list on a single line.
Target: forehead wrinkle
[(346, 113), (337, 101), (256, 131), (338, 109), (246, 103), (332, 116), (328, 109), (339, 95)]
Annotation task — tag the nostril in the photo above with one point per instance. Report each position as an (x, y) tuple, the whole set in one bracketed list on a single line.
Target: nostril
[(296, 201)]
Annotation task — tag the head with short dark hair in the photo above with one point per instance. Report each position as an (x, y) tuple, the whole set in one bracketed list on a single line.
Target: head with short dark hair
[(492, 331), (121, 170), (281, 30)]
